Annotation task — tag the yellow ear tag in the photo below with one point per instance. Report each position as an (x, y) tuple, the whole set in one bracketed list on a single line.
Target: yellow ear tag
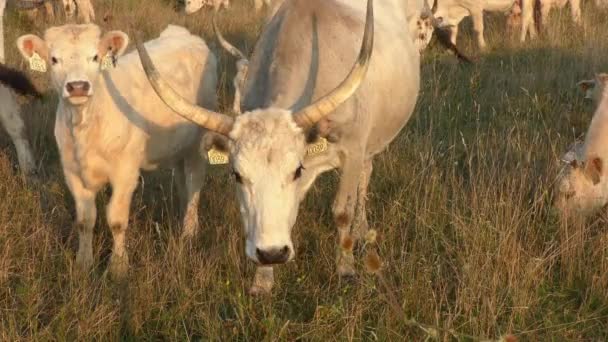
[(217, 157), (107, 61), (317, 147), (37, 63)]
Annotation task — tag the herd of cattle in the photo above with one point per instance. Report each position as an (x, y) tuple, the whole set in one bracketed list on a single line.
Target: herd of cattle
[(321, 72)]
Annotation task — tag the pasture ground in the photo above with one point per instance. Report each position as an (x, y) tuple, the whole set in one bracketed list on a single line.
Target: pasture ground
[(461, 201)]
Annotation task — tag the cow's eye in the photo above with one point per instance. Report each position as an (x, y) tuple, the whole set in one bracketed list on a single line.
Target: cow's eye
[(237, 177), (298, 172), (95, 58), (54, 60)]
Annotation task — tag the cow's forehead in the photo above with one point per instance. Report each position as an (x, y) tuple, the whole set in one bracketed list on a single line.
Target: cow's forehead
[(267, 136), (72, 35)]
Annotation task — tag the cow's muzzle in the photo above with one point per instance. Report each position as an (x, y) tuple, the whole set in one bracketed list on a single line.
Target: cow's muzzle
[(78, 88), (273, 255)]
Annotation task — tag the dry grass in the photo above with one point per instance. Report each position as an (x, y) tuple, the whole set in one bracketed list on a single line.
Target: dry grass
[(460, 200)]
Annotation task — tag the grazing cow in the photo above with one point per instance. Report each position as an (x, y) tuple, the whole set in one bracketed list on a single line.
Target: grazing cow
[(420, 21), (84, 8), (583, 187), (452, 12), (193, 6), (302, 80), (110, 124), (594, 88)]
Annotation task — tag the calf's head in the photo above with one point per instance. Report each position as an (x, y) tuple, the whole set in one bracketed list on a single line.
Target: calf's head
[(267, 149), (581, 188), (594, 89), (74, 55)]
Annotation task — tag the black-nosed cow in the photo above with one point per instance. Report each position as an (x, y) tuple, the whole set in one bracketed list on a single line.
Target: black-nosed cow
[(301, 75)]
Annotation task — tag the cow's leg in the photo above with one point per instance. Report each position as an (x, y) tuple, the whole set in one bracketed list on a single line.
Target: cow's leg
[(477, 17), (344, 210), (13, 123), (180, 186), (454, 34), (86, 214), (263, 281), (360, 225), (545, 10), (258, 4), (527, 20), (49, 11), (236, 105), (86, 13), (575, 9), (124, 182), (195, 168)]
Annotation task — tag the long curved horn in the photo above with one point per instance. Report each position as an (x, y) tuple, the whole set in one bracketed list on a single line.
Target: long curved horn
[(210, 120), (434, 9), (328, 103), (224, 43)]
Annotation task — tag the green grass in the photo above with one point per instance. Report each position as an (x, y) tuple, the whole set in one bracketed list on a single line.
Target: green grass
[(461, 201)]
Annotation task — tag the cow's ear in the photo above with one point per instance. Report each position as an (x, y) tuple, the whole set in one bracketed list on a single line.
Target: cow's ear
[(593, 169), (585, 85), (30, 44), (114, 43)]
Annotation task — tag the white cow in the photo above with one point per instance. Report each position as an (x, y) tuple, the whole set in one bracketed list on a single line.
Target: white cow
[(305, 72), (193, 6), (583, 187), (84, 9), (452, 12), (110, 124)]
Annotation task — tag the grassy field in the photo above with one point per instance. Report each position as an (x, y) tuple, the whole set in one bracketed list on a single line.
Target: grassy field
[(461, 201)]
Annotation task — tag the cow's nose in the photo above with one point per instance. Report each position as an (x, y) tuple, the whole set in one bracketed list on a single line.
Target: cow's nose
[(78, 88), (422, 37), (273, 255)]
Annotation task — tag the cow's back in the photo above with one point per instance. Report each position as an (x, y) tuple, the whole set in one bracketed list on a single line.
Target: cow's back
[(187, 64), (309, 47)]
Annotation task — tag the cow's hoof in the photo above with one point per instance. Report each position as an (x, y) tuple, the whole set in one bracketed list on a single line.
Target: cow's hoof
[(119, 267), (84, 260), (345, 264)]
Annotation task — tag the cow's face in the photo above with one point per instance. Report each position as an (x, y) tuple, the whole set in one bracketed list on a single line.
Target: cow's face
[(581, 189), (267, 151), (594, 89), (422, 30), (194, 5), (74, 55), (69, 6)]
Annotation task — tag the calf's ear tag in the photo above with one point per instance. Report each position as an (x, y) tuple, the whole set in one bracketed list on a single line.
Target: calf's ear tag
[(37, 63), (108, 62), (317, 147), (217, 157)]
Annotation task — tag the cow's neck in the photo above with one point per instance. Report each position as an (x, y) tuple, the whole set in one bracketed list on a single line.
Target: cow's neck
[(77, 117)]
